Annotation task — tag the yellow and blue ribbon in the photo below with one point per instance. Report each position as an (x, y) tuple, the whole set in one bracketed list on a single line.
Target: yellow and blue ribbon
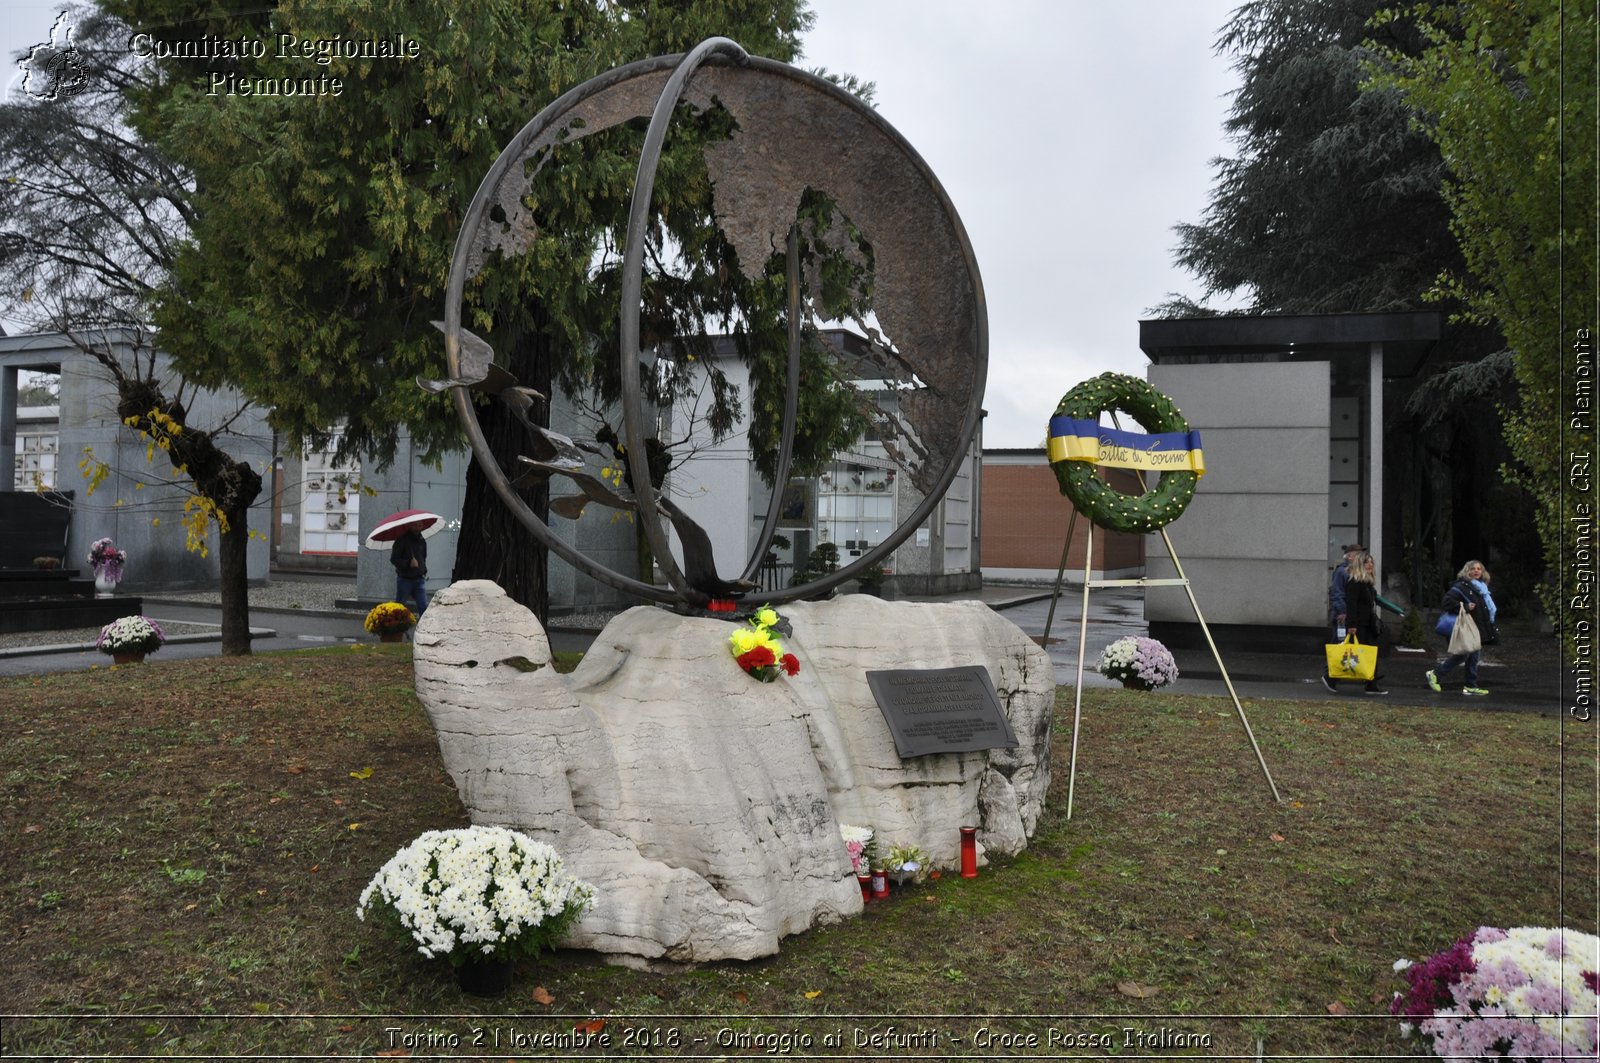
[(1075, 440)]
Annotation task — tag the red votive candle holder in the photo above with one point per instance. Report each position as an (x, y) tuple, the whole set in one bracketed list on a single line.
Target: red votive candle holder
[(865, 882), (969, 852), (880, 883)]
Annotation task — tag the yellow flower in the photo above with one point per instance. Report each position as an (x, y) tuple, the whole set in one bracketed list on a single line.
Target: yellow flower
[(745, 639), (766, 617), (390, 616)]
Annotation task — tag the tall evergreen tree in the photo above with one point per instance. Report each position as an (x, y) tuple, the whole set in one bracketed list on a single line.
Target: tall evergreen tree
[(1333, 202)]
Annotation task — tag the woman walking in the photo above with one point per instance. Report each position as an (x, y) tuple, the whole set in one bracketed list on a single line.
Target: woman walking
[(1361, 612), (1463, 594)]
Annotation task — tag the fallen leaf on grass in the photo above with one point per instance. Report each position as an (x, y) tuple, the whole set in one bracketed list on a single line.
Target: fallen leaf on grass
[(593, 1026), (1137, 991), (295, 769), (541, 995), (812, 994), (364, 773), (743, 998), (33, 828), (393, 1053), (1337, 1008), (1277, 837)]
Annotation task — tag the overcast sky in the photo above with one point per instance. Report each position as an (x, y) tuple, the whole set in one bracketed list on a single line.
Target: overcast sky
[(1071, 135)]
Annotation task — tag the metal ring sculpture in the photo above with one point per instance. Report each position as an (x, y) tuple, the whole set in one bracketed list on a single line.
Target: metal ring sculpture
[(785, 119), (1103, 504)]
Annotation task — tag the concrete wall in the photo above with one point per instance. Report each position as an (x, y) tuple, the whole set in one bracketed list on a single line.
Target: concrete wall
[(410, 484), (133, 505), (1253, 542), (606, 536), (601, 534), (713, 487)]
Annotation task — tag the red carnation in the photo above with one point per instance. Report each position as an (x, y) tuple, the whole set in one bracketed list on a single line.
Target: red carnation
[(760, 657), (791, 664)]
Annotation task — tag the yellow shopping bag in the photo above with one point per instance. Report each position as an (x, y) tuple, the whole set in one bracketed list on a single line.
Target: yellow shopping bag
[(1351, 660)]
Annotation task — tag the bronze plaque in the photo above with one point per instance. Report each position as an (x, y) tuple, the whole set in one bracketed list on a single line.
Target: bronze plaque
[(941, 710)]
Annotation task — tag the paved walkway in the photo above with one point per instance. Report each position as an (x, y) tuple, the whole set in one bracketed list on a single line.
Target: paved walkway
[(1522, 676)]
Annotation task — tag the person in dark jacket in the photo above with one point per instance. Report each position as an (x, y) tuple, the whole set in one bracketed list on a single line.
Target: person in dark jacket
[(409, 556), (1463, 593), (1338, 613), (1361, 611)]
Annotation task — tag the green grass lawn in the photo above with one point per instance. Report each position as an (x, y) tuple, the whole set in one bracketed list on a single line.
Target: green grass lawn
[(184, 843)]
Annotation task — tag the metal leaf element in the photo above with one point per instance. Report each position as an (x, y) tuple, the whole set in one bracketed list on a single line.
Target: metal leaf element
[(555, 447), (699, 563), (477, 358), (520, 399), (480, 373), (571, 506), (534, 469)]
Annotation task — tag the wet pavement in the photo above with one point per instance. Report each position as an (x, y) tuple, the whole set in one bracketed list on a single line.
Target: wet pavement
[(1522, 676), (272, 630)]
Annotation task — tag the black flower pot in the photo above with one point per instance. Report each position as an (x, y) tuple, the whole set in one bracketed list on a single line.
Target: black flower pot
[(487, 977)]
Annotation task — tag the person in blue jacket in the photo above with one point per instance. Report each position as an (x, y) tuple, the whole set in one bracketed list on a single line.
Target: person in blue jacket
[(1480, 581), (1463, 593)]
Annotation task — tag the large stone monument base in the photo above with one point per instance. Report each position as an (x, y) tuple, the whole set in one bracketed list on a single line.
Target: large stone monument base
[(702, 803)]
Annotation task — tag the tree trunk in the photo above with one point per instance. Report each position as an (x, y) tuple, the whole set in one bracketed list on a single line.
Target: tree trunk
[(493, 544), (229, 484), (232, 557)]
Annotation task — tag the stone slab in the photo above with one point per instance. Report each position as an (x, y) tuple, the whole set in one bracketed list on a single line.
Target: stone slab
[(703, 804)]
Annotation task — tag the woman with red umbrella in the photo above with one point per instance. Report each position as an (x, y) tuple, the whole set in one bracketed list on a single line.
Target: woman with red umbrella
[(409, 554)]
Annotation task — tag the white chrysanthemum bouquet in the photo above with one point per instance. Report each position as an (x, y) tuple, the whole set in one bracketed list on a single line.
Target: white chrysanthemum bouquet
[(478, 891), (130, 634)]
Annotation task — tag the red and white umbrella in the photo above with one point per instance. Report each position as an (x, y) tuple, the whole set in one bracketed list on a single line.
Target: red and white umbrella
[(395, 525)]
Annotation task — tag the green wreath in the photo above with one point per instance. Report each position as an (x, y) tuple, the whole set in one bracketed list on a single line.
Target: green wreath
[(1099, 501)]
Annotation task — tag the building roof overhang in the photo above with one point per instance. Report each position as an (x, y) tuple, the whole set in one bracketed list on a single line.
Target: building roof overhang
[(1407, 338)]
